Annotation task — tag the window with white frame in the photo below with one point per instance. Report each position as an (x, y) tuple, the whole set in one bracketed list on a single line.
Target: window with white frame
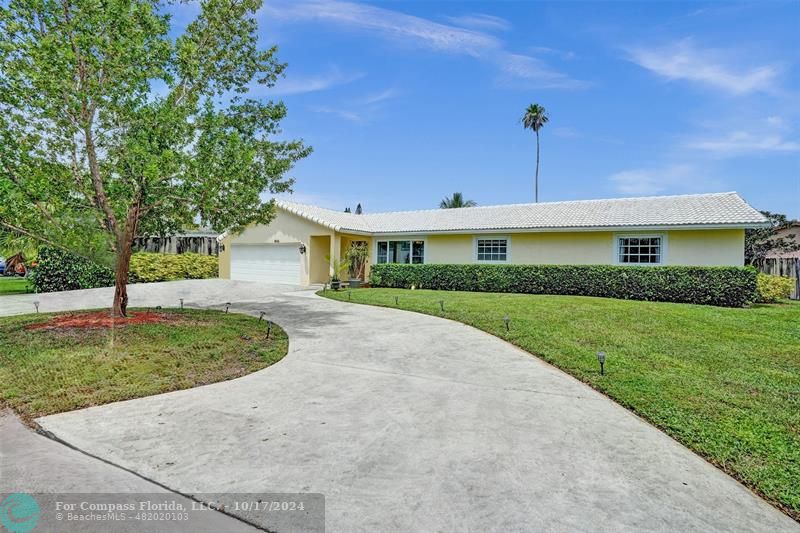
[(405, 252), (492, 249), (647, 250)]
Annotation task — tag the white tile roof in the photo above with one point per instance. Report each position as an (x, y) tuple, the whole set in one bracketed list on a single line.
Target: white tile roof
[(696, 210)]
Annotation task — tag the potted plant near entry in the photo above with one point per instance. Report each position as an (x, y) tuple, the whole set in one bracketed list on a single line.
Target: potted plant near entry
[(338, 267), (357, 258)]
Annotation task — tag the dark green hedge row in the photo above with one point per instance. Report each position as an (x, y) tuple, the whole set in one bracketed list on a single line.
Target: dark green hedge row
[(58, 270), (723, 286)]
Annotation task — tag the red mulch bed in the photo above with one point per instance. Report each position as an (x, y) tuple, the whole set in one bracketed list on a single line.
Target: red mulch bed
[(102, 319)]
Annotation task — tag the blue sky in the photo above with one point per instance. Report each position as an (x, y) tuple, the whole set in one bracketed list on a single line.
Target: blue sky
[(406, 102)]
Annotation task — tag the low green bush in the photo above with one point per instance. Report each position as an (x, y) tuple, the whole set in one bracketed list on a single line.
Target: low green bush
[(59, 270), (722, 286), (772, 289), (147, 267)]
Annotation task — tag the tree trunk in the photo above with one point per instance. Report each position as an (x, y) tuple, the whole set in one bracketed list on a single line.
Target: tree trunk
[(536, 193), (124, 252)]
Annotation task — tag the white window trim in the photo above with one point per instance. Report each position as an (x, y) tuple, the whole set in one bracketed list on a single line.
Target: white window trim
[(401, 238), (618, 236), (477, 238)]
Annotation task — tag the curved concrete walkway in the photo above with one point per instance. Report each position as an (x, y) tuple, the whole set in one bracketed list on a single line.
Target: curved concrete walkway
[(406, 422)]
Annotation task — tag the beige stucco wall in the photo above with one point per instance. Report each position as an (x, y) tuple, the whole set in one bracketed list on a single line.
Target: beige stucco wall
[(320, 247), (284, 228), (683, 247), (453, 249), (528, 248), (577, 248), (224, 258), (706, 247)]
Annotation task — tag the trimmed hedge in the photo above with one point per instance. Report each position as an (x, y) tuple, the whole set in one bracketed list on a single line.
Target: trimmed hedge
[(722, 286), (773, 289), (59, 270), (148, 267)]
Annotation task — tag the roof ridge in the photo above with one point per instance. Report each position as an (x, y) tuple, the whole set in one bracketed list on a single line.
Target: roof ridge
[(674, 210), (623, 199)]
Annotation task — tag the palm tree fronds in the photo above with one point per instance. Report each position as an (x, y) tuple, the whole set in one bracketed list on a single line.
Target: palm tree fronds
[(455, 201)]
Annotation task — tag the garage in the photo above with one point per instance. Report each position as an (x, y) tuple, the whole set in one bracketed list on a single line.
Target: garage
[(271, 263)]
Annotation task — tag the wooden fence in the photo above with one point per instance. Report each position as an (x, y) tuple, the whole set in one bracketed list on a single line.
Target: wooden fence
[(178, 244), (786, 266)]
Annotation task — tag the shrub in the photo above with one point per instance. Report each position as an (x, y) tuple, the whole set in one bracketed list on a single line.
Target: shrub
[(723, 286), (148, 267), (772, 289), (59, 270)]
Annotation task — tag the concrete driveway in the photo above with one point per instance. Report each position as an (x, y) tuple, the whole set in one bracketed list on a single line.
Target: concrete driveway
[(406, 423)]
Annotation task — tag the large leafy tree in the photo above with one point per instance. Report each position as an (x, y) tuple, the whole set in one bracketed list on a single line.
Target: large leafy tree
[(457, 200), (112, 125), (759, 242), (534, 119)]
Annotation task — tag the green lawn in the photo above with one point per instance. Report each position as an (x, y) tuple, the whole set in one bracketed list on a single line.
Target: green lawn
[(49, 371), (724, 382), (9, 285)]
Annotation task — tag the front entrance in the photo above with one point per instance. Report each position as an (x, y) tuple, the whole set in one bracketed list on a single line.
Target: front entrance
[(319, 250)]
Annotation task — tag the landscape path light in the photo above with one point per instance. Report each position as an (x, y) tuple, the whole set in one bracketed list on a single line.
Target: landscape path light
[(181, 304), (36, 305), (441, 304), (601, 358), (227, 306), (506, 320), (261, 315)]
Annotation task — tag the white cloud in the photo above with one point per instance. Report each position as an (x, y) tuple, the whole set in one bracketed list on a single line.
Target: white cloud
[(744, 142), (481, 21), (683, 60), (522, 70), (358, 109), (776, 121), (563, 54), (378, 97), (299, 84), (352, 116), (392, 24), (566, 132), (410, 30), (744, 135), (669, 179)]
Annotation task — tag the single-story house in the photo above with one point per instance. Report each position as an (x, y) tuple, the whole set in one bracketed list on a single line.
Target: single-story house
[(700, 229)]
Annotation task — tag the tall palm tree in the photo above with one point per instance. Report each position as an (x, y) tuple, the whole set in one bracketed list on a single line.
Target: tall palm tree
[(457, 200), (535, 118)]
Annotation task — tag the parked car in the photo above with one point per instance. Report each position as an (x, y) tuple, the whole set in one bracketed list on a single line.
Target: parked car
[(15, 266), (2, 265)]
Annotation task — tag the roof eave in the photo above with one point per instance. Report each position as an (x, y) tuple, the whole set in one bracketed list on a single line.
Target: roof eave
[(563, 229), (302, 214)]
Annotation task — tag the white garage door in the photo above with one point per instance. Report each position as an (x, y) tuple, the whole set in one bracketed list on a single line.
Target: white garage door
[(272, 263)]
